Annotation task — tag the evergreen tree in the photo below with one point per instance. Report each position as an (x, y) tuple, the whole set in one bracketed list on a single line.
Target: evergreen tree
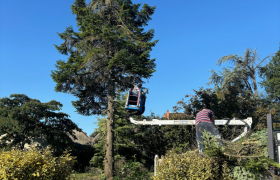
[(129, 139), (23, 119), (110, 51), (242, 75), (271, 81)]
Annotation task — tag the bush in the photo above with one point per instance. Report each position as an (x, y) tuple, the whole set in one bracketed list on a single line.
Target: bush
[(129, 170), (189, 165), (245, 159), (248, 158), (35, 164)]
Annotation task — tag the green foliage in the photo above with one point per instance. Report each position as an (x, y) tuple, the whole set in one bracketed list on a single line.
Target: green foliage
[(34, 164), (144, 141), (225, 104), (189, 165), (211, 144), (98, 159), (130, 170), (232, 161), (180, 138), (243, 75), (248, 160), (240, 173), (24, 120), (242, 78), (110, 49), (261, 138), (271, 81), (90, 174), (102, 176)]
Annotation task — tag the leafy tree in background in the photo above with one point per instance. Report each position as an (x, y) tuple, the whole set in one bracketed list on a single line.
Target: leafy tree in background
[(100, 146), (146, 141), (23, 119), (179, 138), (271, 81), (242, 80), (228, 104), (242, 75), (110, 51)]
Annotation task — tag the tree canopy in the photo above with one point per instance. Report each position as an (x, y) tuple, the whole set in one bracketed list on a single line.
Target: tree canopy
[(243, 75), (110, 50), (23, 119), (111, 45), (271, 80)]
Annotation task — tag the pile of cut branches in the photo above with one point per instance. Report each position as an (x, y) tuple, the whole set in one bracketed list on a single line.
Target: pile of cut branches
[(247, 158)]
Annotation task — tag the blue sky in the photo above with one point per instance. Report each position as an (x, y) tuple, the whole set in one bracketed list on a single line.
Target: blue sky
[(192, 35)]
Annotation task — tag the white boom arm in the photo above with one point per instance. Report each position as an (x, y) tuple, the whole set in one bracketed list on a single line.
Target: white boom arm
[(247, 122)]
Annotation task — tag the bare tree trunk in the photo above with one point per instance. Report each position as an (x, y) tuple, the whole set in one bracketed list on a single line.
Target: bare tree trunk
[(254, 74), (255, 84), (109, 158)]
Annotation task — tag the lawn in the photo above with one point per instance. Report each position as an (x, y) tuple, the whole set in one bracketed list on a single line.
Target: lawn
[(87, 176), (91, 176)]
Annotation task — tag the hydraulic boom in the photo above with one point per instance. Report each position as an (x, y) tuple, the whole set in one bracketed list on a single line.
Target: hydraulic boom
[(246, 122)]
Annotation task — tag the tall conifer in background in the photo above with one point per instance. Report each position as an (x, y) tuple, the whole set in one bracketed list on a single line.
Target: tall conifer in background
[(110, 50)]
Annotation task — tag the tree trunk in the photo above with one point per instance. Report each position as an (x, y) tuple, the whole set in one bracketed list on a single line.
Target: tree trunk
[(254, 75), (255, 84), (109, 158)]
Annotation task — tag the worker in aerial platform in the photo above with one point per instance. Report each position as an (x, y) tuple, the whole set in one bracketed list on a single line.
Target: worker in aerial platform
[(135, 86), (205, 120), (136, 98)]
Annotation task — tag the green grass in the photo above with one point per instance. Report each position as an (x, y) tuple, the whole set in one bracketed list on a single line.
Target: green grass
[(90, 176), (95, 174), (87, 176)]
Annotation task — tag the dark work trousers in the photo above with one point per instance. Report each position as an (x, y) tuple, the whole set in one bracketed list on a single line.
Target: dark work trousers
[(210, 127)]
